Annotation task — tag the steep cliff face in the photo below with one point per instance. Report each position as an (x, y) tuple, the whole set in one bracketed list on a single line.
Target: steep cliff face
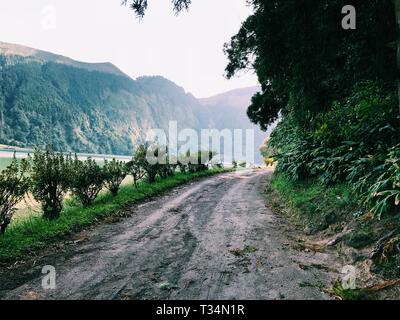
[(50, 99)]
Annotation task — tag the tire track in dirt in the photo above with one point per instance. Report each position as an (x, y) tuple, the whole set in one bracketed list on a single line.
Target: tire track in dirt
[(213, 239)]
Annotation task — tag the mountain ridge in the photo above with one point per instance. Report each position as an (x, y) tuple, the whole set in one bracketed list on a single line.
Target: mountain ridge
[(95, 111), (234, 93), (11, 49)]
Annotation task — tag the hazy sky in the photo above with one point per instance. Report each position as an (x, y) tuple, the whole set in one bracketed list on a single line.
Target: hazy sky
[(186, 48)]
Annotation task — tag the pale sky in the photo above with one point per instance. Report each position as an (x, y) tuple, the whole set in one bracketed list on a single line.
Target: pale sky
[(186, 49)]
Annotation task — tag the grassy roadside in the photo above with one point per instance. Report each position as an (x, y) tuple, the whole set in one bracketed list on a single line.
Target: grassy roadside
[(34, 233), (316, 206), (327, 211)]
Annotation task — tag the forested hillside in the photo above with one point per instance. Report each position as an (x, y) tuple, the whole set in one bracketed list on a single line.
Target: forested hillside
[(94, 108), (87, 111)]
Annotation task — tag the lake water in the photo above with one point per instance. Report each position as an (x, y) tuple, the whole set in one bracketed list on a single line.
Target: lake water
[(6, 156)]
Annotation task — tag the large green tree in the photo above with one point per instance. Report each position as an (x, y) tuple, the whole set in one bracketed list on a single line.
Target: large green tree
[(140, 6), (303, 57)]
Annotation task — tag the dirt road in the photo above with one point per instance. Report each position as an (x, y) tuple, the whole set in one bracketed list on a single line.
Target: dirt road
[(213, 239)]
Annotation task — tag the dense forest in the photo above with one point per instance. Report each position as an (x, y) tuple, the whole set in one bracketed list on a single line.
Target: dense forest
[(87, 111)]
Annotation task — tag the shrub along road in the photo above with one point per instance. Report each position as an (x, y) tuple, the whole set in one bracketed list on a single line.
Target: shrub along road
[(211, 239)]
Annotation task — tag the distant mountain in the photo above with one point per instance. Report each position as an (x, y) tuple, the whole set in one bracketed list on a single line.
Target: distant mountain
[(234, 98), (26, 54), (215, 109), (229, 110), (96, 108)]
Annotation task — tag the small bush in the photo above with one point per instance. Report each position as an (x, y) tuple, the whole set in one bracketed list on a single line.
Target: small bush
[(135, 167), (51, 176), (14, 184), (165, 170), (198, 162), (151, 169), (183, 168), (87, 180), (114, 173)]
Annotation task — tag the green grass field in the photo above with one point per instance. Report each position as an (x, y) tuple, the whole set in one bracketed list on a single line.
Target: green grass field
[(4, 162), (31, 233)]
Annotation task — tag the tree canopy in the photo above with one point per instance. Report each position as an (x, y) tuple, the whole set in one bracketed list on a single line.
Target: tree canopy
[(303, 57), (140, 6)]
